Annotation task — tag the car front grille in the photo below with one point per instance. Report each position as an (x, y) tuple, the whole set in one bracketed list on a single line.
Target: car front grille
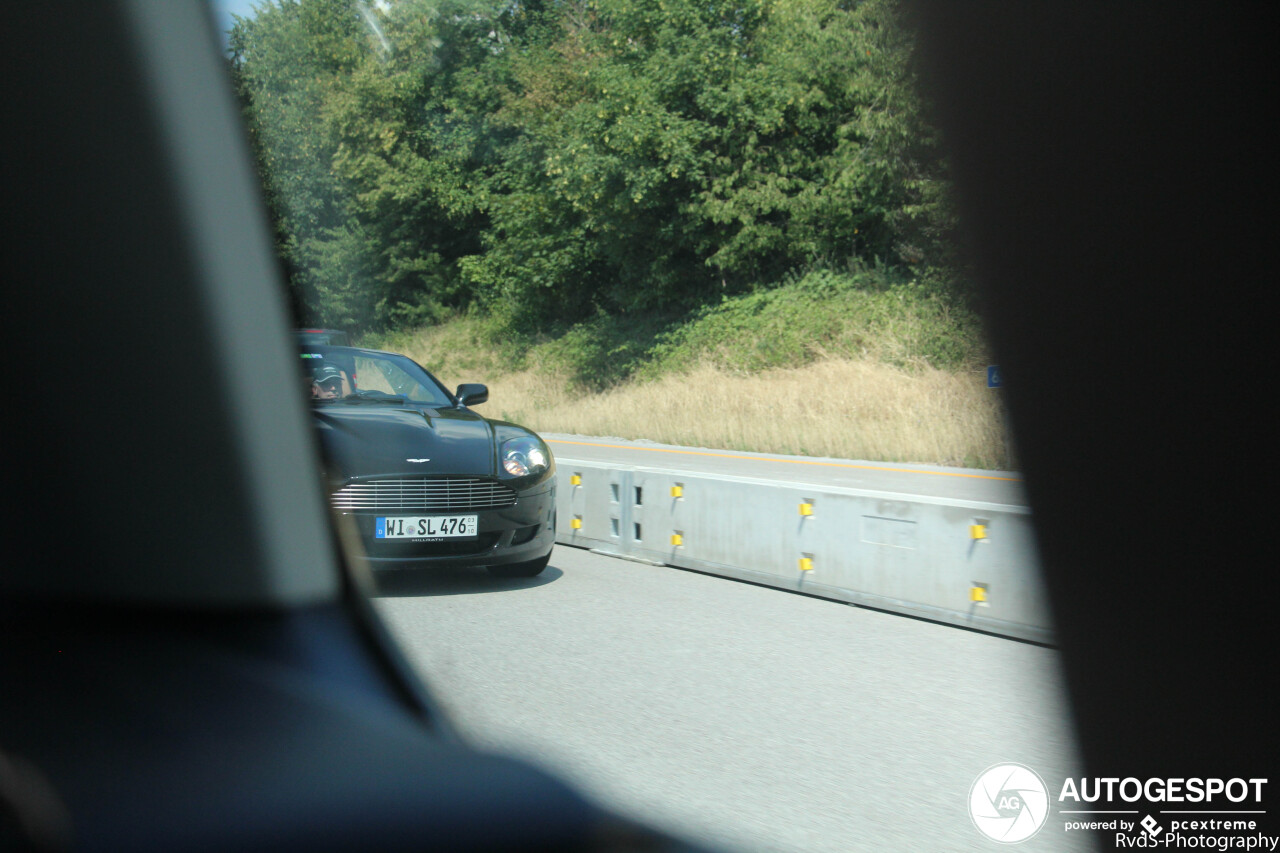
[(454, 494)]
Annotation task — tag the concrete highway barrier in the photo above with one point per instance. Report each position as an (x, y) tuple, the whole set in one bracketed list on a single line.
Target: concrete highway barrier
[(962, 562)]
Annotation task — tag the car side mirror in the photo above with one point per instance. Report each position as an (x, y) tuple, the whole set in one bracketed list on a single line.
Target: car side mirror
[(471, 393)]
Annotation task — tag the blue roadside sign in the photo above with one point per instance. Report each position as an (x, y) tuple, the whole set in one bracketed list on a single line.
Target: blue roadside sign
[(994, 379)]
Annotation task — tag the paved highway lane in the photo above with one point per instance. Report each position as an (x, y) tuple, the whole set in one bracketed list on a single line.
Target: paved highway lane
[(928, 481), (739, 716)]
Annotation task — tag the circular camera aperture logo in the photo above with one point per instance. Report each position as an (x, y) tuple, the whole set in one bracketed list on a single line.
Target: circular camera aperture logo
[(1009, 803)]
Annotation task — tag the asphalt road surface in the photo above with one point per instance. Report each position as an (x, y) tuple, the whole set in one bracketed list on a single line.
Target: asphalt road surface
[(740, 717)]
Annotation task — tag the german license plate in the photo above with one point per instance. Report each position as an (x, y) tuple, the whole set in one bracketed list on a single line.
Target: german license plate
[(428, 526)]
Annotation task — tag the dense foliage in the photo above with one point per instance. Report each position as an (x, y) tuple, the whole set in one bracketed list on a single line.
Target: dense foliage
[(568, 159)]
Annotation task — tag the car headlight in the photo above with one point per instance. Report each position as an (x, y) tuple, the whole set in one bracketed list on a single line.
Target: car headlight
[(523, 456)]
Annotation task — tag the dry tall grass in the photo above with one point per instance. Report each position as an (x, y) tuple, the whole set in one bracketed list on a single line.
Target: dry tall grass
[(837, 408), (841, 407)]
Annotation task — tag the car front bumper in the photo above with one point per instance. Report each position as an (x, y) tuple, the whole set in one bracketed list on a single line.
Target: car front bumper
[(514, 534)]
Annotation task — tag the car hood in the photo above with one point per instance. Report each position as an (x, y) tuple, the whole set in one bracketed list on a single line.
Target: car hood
[(371, 440)]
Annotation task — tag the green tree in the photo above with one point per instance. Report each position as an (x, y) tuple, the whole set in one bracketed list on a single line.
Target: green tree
[(287, 61), (667, 151), (414, 143), (557, 160), (594, 206), (826, 156)]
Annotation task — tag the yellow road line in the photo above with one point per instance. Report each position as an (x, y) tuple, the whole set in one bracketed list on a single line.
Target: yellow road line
[(792, 461)]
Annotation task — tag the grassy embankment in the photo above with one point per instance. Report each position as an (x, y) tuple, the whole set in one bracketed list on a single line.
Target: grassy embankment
[(823, 366)]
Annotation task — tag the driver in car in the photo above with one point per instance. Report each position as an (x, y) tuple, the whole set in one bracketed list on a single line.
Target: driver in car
[(326, 383)]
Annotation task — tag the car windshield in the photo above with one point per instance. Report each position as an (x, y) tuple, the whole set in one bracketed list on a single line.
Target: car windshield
[(341, 374)]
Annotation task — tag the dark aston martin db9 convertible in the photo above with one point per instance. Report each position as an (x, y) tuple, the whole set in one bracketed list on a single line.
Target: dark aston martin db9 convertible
[(426, 480)]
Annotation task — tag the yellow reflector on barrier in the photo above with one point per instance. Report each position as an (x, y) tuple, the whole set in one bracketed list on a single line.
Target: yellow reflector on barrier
[(806, 564), (677, 491), (978, 593), (978, 531), (575, 480), (576, 523), (806, 509), (677, 539)]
